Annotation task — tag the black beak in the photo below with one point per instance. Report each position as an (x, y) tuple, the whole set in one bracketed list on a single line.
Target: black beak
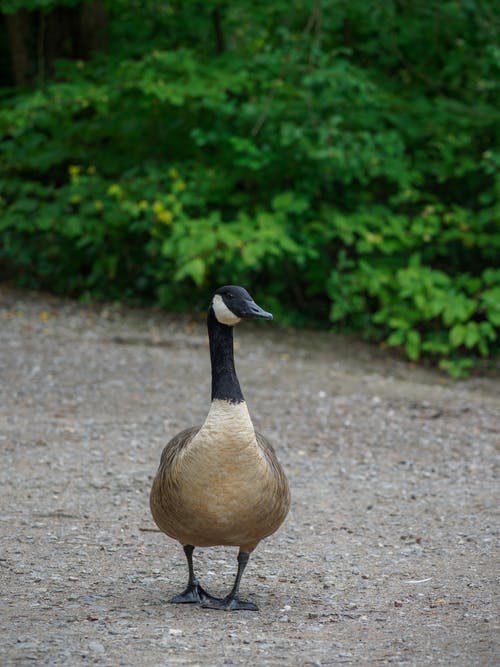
[(251, 309)]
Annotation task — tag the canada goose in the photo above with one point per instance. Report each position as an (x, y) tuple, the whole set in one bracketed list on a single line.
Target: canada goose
[(221, 484)]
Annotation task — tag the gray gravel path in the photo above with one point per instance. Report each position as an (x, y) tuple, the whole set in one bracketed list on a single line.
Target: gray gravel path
[(389, 554)]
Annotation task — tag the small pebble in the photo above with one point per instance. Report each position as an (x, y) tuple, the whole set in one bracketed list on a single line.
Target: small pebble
[(96, 647)]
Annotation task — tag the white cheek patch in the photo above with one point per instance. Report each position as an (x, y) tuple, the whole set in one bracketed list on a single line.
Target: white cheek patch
[(222, 312)]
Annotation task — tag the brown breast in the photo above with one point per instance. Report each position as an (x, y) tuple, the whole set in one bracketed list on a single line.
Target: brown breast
[(223, 486)]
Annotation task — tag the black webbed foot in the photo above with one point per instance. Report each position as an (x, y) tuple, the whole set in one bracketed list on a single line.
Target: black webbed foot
[(229, 603), (232, 602), (193, 594)]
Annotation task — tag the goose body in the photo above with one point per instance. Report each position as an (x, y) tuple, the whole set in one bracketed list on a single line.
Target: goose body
[(220, 484)]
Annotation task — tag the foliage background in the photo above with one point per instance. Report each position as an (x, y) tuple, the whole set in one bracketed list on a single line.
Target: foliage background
[(339, 159)]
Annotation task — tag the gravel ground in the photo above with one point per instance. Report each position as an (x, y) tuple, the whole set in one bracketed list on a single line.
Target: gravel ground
[(387, 556)]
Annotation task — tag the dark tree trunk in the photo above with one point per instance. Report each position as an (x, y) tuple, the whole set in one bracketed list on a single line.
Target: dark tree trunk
[(92, 29), (20, 34), (219, 33), (37, 39)]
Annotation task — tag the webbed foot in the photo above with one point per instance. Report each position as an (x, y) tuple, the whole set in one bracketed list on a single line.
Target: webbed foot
[(193, 594), (229, 603)]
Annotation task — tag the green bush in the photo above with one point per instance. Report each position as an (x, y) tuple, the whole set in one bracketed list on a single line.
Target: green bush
[(325, 155)]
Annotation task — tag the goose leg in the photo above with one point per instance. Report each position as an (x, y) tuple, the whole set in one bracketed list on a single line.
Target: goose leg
[(194, 592), (232, 601)]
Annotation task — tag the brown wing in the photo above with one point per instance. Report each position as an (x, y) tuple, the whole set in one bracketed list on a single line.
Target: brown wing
[(164, 491), (175, 446), (282, 491)]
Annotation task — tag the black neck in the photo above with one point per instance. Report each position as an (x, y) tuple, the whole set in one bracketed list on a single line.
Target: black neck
[(225, 385)]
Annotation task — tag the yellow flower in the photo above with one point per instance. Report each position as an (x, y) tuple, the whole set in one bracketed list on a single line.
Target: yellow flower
[(179, 185), (91, 169), (165, 216), (143, 205), (115, 190), (373, 238), (98, 205), (158, 207), (74, 170), (75, 199), (173, 173)]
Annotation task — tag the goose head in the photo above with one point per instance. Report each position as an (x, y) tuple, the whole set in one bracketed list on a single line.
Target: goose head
[(232, 303)]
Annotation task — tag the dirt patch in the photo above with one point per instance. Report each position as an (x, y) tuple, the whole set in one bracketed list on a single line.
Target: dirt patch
[(387, 556)]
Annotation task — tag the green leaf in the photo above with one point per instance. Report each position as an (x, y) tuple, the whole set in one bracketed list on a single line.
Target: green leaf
[(288, 202), (457, 335), (457, 368), (472, 335), (490, 300), (194, 269), (396, 338), (412, 345)]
